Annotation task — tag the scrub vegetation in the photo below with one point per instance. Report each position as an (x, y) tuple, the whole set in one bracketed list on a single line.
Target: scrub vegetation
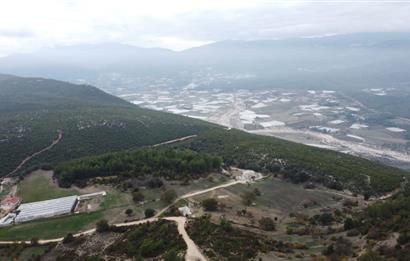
[(298, 163)]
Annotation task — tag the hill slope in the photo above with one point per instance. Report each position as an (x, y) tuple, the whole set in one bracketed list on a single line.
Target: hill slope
[(83, 121), (34, 110)]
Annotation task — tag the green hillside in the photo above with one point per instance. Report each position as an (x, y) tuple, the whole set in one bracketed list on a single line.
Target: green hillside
[(33, 110), (297, 162)]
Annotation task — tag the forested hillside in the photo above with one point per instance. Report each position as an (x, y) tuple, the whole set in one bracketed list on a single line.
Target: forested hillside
[(297, 162), (34, 110), (92, 122)]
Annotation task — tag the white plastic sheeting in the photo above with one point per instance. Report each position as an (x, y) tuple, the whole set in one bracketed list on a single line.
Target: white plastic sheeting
[(46, 208)]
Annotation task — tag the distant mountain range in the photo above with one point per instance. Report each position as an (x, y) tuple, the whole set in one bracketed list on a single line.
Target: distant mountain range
[(354, 60)]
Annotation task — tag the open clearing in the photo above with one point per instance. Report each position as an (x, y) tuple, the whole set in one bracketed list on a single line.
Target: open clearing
[(39, 185), (283, 196), (50, 228)]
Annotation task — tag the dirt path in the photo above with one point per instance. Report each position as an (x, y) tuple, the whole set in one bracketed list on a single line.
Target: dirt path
[(55, 142), (174, 140), (192, 252), (200, 192)]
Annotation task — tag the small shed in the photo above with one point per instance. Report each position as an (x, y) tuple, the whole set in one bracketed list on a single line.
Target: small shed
[(185, 211)]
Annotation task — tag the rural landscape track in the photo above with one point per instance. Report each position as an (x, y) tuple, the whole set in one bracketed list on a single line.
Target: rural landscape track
[(60, 136), (55, 142), (193, 251), (174, 140)]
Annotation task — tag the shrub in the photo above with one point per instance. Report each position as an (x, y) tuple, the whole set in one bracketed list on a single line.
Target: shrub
[(248, 198), (68, 238), (128, 212), (34, 241), (137, 196), (349, 224), (257, 192), (371, 256), (168, 196), (225, 224), (102, 226), (210, 204), (324, 219), (149, 212), (155, 183), (266, 223)]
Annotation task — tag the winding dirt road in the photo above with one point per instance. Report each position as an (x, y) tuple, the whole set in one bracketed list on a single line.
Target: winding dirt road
[(193, 251), (55, 142), (174, 140)]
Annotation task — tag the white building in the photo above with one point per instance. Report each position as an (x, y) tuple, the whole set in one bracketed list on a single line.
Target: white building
[(45, 209)]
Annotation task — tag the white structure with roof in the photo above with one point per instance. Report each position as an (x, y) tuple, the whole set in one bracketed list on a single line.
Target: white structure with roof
[(185, 211), (46, 208)]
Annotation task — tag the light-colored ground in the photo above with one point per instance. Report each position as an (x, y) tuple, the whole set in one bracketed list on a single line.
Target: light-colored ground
[(193, 253), (330, 142)]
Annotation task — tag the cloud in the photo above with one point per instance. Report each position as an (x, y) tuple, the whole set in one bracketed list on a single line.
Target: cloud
[(16, 33), (179, 24)]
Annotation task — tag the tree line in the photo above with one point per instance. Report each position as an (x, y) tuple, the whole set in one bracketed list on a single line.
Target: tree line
[(169, 163)]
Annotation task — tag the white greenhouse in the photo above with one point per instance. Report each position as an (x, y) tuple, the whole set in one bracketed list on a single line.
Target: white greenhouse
[(46, 208)]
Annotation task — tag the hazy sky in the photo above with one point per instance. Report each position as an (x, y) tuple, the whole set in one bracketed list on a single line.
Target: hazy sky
[(177, 24)]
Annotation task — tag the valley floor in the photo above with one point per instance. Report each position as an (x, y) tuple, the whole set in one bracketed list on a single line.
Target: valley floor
[(326, 119)]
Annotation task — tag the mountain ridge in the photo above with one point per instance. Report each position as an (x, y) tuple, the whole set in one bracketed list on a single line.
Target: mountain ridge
[(338, 61)]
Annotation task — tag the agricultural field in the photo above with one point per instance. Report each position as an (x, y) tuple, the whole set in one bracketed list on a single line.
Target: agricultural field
[(51, 228), (370, 123), (40, 185)]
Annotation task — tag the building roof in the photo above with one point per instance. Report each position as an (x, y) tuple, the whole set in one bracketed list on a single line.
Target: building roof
[(46, 208), (10, 200)]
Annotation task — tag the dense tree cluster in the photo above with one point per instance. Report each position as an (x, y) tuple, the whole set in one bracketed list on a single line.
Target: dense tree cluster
[(170, 163)]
